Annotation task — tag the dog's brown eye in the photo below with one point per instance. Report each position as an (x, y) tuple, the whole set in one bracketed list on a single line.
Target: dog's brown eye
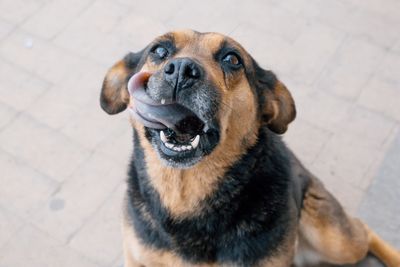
[(161, 52), (232, 59)]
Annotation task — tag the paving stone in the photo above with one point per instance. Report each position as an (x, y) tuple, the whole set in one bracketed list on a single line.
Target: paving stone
[(60, 13), (38, 56), (269, 52), (353, 149), (295, 6), (387, 9), (23, 189), (42, 148), (16, 11), (80, 197), (306, 140), (323, 110), (5, 28), (9, 225), (7, 114), (388, 69), (93, 126), (164, 9), (312, 51), (380, 206), (130, 31), (194, 18), (349, 17), (381, 96), (300, 92), (350, 68), (328, 12), (39, 250), (374, 27), (119, 262), (18, 88), (104, 225), (271, 19), (382, 92), (66, 101), (118, 146), (88, 34), (396, 46)]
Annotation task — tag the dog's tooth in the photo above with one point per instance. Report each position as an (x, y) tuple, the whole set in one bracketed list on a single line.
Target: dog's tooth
[(188, 147), (169, 145), (163, 137), (196, 141), (163, 101)]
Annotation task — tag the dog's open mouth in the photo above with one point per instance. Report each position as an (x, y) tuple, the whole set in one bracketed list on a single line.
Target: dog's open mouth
[(179, 142), (177, 130)]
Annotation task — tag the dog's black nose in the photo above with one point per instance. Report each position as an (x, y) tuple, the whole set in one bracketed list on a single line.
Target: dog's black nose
[(182, 73)]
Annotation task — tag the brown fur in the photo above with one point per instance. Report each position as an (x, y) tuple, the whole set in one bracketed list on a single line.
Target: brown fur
[(281, 110), (114, 92), (325, 226)]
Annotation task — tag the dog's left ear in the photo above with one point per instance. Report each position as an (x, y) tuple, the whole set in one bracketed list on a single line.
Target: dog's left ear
[(278, 108), (114, 96)]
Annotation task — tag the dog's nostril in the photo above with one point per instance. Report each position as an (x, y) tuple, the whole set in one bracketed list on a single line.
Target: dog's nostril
[(193, 72), (169, 69)]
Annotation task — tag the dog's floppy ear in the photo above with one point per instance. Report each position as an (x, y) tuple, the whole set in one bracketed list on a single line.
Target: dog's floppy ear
[(114, 96), (278, 108)]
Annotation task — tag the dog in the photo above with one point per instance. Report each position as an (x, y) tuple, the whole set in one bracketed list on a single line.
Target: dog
[(210, 182)]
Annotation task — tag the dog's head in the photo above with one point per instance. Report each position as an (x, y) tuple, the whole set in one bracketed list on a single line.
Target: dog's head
[(224, 93)]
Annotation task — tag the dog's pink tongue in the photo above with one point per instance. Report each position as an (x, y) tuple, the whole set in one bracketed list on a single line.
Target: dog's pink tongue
[(136, 89), (154, 114)]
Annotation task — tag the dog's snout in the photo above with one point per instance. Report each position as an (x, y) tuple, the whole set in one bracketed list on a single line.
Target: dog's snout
[(182, 73)]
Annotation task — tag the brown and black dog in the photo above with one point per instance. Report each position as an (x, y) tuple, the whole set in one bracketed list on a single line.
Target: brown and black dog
[(223, 189)]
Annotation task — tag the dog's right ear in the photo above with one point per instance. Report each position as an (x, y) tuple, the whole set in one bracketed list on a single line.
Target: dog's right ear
[(114, 96)]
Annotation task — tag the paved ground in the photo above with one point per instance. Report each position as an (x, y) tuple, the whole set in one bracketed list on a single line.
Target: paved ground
[(63, 160)]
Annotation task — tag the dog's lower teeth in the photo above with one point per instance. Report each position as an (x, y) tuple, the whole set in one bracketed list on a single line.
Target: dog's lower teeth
[(169, 145), (178, 147), (193, 143)]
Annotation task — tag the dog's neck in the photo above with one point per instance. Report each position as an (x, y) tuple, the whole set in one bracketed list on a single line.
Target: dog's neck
[(182, 191), (258, 182)]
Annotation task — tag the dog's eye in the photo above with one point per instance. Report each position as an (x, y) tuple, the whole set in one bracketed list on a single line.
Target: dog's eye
[(232, 59), (161, 52)]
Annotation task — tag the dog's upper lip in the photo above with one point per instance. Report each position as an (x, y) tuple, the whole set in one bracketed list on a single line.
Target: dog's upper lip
[(151, 113)]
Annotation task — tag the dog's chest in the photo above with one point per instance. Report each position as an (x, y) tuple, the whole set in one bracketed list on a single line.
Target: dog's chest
[(229, 235), (245, 220)]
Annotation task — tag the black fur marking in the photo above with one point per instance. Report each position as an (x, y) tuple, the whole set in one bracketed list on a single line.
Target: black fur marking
[(260, 80), (244, 221)]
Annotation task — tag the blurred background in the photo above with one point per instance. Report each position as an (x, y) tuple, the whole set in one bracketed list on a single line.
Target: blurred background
[(63, 161)]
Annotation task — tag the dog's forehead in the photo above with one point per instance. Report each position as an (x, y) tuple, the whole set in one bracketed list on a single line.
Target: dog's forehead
[(188, 41)]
